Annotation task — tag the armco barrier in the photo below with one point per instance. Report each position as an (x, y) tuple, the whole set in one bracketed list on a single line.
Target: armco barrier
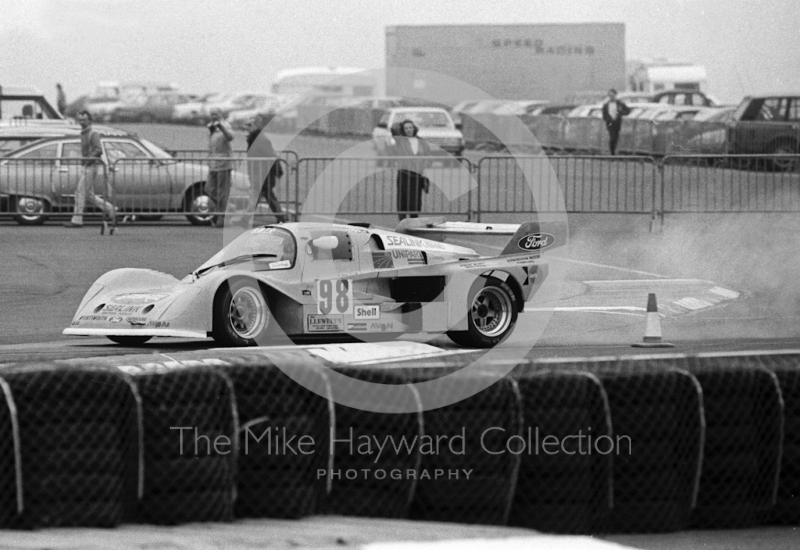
[(787, 505), (744, 442), (563, 493), (738, 411), (362, 477), (190, 426), (275, 477), (76, 452)]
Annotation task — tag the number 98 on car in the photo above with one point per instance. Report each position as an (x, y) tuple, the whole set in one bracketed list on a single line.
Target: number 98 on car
[(334, 296)]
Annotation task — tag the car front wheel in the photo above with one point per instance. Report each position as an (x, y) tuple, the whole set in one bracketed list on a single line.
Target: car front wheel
[(785, 164), (491, 314), (242, 316), (30, 211), (198, 205)]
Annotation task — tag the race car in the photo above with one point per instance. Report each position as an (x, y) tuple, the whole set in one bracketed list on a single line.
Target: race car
[(331, 280)]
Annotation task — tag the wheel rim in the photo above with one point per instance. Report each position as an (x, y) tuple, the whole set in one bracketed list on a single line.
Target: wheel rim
[(784, 163), (248, 313), (29, 208), (491, 311), (201, 206)]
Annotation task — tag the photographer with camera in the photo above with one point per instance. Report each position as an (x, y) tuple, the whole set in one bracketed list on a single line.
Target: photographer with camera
[(218, 186)]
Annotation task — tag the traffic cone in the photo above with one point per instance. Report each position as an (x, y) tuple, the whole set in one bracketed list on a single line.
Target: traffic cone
[(652, 328)]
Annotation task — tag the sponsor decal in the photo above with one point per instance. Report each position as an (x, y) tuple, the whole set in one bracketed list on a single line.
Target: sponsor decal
[(382, 260), (412, 257), (137, 299), (120, 309), (325, 323), (383, 327), (523, 259), (92, 318), (283, 264), (536, 241), (136, 320), (404, 241), (158, 324), (367, 311), (470, 265), (115, 320), (352, 327)]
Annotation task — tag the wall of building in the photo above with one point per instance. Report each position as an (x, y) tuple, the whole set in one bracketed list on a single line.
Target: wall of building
[(548, 61)]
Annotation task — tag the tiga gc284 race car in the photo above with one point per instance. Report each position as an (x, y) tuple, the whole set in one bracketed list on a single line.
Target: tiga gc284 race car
[(326, 280)]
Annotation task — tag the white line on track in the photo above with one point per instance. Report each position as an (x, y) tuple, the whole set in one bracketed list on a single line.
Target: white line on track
[(605, 266)]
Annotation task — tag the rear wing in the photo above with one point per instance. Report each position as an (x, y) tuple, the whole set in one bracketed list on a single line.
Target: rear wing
[(532, 236)]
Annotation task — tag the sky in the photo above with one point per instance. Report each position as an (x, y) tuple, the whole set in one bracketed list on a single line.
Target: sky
[(747, 46)]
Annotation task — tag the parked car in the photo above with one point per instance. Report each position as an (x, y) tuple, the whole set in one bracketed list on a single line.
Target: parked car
[(710, 125), (684, 97), (196, 112), (518, 108), (559, 109), (767, 124), (436, 126), (263, 111), (14, 137), (156, 107), (40, 178)]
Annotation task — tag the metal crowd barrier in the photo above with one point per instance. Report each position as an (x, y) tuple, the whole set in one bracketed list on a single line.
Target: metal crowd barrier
[(33, 189), (355, 187)]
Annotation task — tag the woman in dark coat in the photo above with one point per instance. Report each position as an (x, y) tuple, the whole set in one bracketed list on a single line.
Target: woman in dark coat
[(410, 179), (259, 146)]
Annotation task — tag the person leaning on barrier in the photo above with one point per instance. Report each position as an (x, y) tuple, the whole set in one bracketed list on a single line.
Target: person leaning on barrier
[(218, 186), (613, 111), (92, 151), (259, 146), (410, 179)]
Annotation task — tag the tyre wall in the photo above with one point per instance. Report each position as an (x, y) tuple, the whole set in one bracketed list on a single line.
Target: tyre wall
[(635, 445)]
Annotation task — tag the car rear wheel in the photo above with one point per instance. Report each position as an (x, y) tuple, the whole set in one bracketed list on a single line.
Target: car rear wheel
[(129, 340), (242, 316), (784, 164), (491, 315), (199, 205), (30, 210)]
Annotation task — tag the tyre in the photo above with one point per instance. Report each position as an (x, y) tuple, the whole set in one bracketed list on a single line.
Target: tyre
[(491, 315), (784, 148), (30, 210), (198, 204), (242, 316), (129, 340)]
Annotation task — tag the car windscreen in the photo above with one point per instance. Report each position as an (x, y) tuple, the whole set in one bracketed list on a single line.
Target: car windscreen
[(425, 119), (155, 150), (270, 248)]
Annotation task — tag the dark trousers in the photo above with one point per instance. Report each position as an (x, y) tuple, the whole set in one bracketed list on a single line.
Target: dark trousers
[(613, 136), (409, 194), (268, 192)]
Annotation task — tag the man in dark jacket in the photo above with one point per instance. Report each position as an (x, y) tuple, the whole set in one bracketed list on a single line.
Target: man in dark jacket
[(93, 165), (613, 111), (266, 171)]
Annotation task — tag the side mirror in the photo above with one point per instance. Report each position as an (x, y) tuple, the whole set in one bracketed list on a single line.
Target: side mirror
[(459, 125), (325, 243)]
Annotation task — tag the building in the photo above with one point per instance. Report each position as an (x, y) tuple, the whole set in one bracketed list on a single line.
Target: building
[(542, 61), (658, 75)]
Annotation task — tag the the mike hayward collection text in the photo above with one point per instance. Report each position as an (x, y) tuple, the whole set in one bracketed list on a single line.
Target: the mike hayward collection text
[(492, 441)]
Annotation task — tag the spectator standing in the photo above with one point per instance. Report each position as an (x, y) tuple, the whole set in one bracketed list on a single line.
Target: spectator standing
[(61, 99), (613, 111), (259, 146), (218, 186), (92, 153), (410, 179)]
